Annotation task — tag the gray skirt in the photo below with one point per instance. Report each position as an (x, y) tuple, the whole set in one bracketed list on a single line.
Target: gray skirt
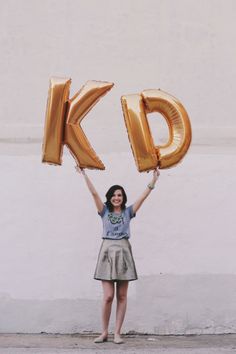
[(115, 261)]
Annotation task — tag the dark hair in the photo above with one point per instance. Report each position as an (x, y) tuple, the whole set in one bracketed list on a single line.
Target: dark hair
[(110, 193)]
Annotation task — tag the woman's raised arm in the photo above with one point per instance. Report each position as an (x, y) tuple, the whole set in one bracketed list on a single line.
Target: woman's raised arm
[(96, 197), (147, 191)]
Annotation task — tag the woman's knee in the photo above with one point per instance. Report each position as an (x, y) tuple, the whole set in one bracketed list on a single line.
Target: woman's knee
[(108, 298), (121, 297), (108, 291), (122, 291)]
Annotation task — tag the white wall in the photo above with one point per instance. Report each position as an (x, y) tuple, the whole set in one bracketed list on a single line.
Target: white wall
[(183, 238)]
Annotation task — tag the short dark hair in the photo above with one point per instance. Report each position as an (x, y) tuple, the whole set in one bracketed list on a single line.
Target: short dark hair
[(110, 193)]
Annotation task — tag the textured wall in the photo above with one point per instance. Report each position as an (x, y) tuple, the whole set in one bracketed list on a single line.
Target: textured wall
[(183, 237), (185, 47)]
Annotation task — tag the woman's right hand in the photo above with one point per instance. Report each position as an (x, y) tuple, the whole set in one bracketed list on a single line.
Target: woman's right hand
[(80, 170)]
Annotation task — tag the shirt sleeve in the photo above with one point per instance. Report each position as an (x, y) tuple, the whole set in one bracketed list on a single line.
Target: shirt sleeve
[(102, 213), (131, 212)]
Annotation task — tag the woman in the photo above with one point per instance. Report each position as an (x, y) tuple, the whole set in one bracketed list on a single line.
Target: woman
[(115, 262)]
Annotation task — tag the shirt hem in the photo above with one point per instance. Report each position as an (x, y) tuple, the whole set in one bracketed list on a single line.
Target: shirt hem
[(110, 238)]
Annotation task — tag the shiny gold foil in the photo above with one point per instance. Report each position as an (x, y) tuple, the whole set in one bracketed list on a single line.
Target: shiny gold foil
[(148, 156), (58, 94), (78, 107), (180, 133), (63, 118), (139, 132)]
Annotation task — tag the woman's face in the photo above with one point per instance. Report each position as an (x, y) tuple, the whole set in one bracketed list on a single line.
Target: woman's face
[(117, 198)]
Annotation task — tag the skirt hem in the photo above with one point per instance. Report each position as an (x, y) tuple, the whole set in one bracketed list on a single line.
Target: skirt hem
[(116, 279)]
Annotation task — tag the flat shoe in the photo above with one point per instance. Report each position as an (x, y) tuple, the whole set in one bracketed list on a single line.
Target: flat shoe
[(118, 340), (100, 339)]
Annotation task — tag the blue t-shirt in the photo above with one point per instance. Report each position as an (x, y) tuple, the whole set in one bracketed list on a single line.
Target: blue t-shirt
[(116, 226)]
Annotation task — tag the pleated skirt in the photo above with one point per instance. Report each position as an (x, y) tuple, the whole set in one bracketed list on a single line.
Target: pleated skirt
[(115, 261)]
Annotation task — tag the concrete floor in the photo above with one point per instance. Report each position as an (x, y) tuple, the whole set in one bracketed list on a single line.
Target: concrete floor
[(76, 343)]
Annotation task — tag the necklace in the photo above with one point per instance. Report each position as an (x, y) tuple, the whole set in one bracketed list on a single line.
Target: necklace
[(115, 218)]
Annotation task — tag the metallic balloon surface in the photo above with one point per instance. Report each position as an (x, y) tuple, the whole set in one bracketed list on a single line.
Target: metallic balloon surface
[(139, 132), (147, 155), (54, 123), (63, 118)]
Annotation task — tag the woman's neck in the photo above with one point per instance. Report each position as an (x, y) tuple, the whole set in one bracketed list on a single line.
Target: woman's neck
[(116, 209)]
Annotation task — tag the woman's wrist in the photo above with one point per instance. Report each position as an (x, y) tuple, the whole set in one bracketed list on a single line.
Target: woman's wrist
[(151, 185), (80, 170)]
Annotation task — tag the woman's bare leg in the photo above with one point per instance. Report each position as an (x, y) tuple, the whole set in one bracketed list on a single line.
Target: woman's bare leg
[(121, 295), (108, 295)]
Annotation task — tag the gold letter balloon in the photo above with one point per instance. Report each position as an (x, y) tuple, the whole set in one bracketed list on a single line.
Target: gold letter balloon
[(148, 156), (63, 118)]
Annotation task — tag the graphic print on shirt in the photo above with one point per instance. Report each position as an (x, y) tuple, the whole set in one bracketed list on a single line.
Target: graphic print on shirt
[(115, 219), (116, 226)]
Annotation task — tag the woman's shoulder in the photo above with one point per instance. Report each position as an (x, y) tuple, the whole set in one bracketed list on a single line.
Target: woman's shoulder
[(129, 210), (104, 210)]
